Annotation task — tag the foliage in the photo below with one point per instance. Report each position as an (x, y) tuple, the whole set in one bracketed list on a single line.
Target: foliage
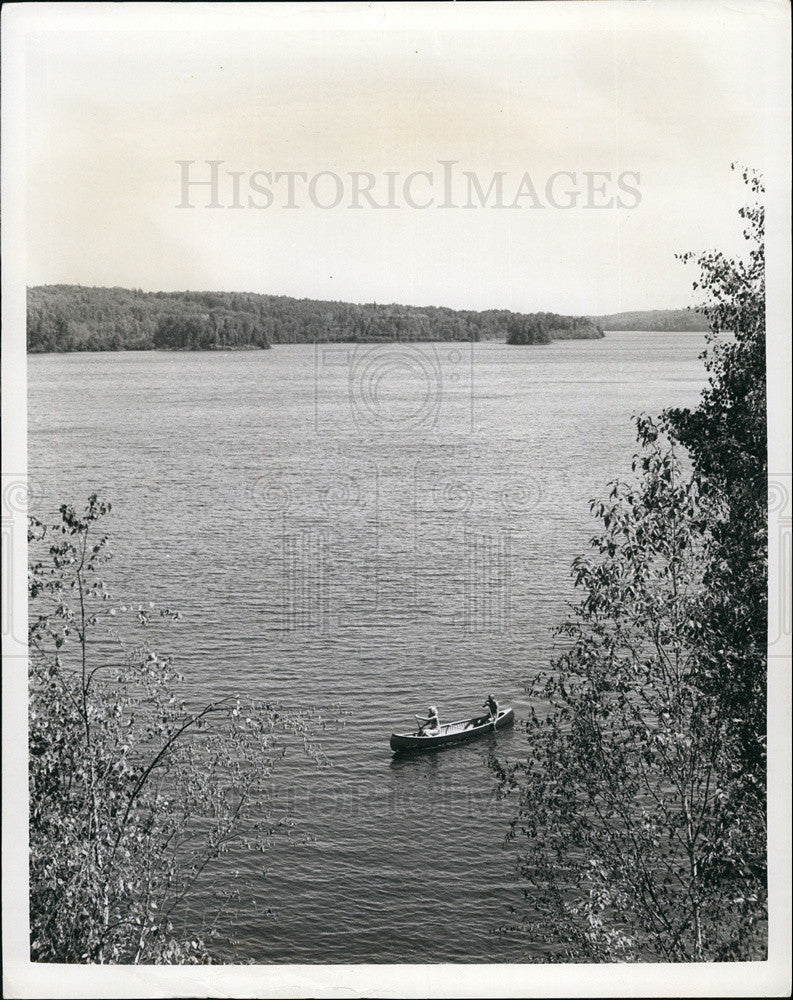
[(220, 328), (527, 330), (642, 803), (73, 318), (726, 437), (134, 793), (625, 797), (542, 328), (726, 433)]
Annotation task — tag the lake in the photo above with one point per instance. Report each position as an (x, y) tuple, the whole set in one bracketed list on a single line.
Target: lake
[(375, 527)]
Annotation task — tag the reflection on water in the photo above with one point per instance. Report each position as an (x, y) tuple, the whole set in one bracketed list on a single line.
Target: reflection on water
[(411, 757), (339, 529)]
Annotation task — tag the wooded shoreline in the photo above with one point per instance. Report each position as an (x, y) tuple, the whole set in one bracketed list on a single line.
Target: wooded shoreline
[(71, 318)]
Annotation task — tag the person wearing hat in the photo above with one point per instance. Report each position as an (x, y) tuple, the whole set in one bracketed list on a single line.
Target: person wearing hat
[(433, 723)]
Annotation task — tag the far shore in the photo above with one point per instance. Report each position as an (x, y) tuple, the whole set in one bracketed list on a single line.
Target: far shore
[(243, 348)]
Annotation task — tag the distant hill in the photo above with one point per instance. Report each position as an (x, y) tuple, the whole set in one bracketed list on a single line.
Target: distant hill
[(654, 319), (77, 318)]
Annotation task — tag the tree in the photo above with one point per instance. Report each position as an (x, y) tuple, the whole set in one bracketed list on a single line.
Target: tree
[(642, 803), (625, 797), (134, 793), (726, 437)]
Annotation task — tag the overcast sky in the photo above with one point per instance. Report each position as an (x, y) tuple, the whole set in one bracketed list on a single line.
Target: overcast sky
[(673, 94)]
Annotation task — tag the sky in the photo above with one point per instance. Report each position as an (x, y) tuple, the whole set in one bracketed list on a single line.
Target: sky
[(122, 108)]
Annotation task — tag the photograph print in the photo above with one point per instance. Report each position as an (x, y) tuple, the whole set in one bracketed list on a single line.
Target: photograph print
[(396, 499)]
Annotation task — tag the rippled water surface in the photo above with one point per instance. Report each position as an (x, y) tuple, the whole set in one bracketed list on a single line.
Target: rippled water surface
[(377, 526)]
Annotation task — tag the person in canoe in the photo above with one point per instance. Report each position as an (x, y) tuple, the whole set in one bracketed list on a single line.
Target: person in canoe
[(431, 725), (492, 705)]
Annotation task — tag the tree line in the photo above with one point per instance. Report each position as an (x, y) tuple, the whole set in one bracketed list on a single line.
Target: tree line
[(64, 318)]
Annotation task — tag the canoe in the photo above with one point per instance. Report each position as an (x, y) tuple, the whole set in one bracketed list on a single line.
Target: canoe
[(452, 732)]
